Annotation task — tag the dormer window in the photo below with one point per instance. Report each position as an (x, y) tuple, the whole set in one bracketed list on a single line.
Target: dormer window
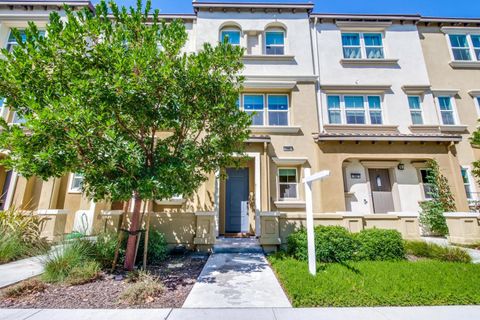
[(275, 42), (231, 36)]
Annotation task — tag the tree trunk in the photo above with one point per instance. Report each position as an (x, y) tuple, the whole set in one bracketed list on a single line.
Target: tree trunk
[(132, 238)]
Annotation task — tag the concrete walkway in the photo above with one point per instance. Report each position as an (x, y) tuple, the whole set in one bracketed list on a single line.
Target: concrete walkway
[(14, 272), (379, 313), (237, 275), (475, 254)]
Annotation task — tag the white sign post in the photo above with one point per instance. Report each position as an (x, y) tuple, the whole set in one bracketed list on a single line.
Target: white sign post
[(308, 180)]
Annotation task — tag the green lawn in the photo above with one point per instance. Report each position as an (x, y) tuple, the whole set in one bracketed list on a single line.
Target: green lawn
[(381, 283)]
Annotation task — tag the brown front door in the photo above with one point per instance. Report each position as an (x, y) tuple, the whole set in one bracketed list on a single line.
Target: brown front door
[(381, 190)]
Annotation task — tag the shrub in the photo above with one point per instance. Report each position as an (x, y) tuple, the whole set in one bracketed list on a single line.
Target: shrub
[(332, 244), (84, 273), (12, 247), (142, 290), (73, 254), (434, 251), (157, 247), (24, 288), (105, 249), (379, 244)]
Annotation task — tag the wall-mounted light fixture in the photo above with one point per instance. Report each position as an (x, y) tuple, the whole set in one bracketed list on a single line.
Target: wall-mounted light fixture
[(401, 166)]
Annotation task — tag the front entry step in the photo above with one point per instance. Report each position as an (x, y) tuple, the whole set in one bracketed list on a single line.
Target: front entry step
[(237, 245)]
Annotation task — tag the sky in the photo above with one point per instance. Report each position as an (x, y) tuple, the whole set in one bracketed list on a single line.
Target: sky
[(430, 8)]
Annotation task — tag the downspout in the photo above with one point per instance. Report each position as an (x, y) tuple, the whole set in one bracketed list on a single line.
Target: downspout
[(267, 175), (319, 97)]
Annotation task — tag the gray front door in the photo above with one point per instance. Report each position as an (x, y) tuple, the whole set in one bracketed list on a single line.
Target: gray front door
[(381, 190), (236, 202)]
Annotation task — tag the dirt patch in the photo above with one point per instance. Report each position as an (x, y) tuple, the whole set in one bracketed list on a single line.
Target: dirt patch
[(177, 274)]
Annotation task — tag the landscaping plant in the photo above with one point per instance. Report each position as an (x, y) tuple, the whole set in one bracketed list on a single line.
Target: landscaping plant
[(24, 288), (432, 211), (433, 251), (380, 244), (113, 96), (144, 288)]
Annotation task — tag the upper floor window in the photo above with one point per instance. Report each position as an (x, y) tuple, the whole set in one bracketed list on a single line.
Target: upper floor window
[(446, 110), (275, 42), (477, 99), (356, 109), (76, 182), (231, 36), (12, 41), (288, 183), (359, 45), (276, 113), (415, 107), (465, 47)]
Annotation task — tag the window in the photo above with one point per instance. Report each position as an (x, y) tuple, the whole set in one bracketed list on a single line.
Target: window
[(465, 47), (12, 41), (254, 105), (357, 109), (334, 111), (466, 183), (446, 110), (428, 187), (277, 113), (76, 182), (478, 103), (3, 109), (287, 183), (17, 118), (278, 110), (231, 36), (375, 109), (359, 45), (415, 109), (275, 42)]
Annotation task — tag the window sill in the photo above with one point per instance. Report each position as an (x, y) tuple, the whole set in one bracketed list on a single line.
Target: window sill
[(171, 202), (288, 204), (275, 129), (453, 128), (268, 57), (465, 64), (355, 128), (369, 62)]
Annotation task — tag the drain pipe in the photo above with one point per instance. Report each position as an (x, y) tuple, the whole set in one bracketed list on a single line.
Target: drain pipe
[(317, 73)]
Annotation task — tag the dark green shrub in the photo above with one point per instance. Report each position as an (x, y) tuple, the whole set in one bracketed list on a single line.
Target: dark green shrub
[(105, 249), (157, 247), (332, 244), (433, 251), (380, 244)]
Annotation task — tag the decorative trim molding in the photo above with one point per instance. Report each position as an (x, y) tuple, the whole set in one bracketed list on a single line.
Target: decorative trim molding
[(364, 25), (345, 88), (287, 85), (465, 64), (448, 30), (424, 128), (416, 89), (369, 62), (453, 128), (290, 161), (290, 204), (357, 128), (474, 93), (297, 78), (445, 92), (379, 164), (275, 129), (268, 57)]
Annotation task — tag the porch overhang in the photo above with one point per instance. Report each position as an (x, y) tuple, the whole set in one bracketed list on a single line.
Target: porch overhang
[(390, 137)]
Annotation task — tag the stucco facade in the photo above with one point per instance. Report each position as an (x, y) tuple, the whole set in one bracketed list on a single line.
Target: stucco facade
[(313, 67)]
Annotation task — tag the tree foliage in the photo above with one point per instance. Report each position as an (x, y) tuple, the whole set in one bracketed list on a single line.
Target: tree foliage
[(431, 215), (115, 97)]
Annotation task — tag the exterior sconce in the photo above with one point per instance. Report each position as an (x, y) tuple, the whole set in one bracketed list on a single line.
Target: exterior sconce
[(401, 166)]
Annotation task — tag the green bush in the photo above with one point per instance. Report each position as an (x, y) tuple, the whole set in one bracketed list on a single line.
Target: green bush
[(433, 251), (332, 244), (12, 247), (86, 272), (105, 249), (380, 245), (73, 254)]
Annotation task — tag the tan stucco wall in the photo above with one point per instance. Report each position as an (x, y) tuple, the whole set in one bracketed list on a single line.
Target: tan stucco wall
[(443, 76)]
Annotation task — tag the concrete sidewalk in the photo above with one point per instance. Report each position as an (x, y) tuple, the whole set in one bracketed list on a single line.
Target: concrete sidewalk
[(14, 272), (378, 313)]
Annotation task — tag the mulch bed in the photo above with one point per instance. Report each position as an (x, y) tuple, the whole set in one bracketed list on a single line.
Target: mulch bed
[(178, 274)]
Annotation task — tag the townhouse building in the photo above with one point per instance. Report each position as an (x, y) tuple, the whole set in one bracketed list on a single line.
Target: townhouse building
[(371, 98)]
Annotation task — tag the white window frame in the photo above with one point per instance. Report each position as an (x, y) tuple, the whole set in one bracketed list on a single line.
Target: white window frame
[(363, 47), (366, 109), (15, 43), (426, 197), (288, 183), (3, 109), (454, 110), (71, 189), (473, 56), (471, 183), (284, 46), (420, 110), (265, 108), (476, 101), (229, 29)]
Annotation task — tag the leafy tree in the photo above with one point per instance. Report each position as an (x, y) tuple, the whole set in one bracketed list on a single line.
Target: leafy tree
[(431, 215), (114, 97)]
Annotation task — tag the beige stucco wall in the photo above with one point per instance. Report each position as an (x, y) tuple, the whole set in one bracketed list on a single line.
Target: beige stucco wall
[(443, 76)]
